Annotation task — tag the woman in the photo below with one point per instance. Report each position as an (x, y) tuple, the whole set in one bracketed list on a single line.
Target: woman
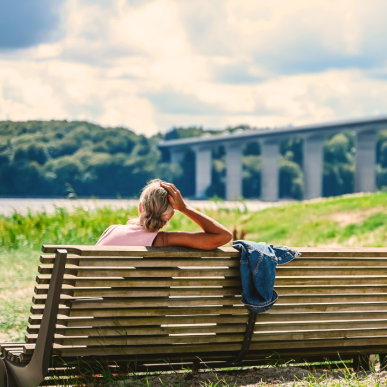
[(157, 205)]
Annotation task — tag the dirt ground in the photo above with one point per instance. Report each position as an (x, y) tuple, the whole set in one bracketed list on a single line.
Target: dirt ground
[(276, 376)]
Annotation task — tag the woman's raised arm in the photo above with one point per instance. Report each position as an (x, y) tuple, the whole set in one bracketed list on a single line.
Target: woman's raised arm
[(213, 235)]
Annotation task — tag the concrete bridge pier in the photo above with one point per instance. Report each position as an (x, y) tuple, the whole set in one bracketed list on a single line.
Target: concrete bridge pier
[(270, 170), (313, 166), (177, 157), (203, 170), (233, 171), (365, 175)]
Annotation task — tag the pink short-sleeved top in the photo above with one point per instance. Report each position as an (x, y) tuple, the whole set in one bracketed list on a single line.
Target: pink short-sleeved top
[(127, 235)]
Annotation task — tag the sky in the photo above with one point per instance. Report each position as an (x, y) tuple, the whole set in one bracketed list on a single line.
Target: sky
[(150, 65)]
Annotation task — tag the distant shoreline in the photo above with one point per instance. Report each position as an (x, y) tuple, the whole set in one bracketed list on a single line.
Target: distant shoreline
[(22, 205)]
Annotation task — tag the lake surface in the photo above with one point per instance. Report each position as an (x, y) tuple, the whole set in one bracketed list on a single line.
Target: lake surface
[(22, 206)]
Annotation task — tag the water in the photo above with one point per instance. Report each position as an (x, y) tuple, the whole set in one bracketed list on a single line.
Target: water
[(22, 206)]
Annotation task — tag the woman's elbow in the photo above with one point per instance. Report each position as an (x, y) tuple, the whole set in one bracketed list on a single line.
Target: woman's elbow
[(222, 239), (227, 237)]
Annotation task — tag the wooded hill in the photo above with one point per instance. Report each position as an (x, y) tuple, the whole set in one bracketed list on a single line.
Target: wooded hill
[(55, 158)]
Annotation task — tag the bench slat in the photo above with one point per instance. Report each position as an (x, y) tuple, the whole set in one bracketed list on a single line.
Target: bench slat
[(342, 262), (143, 262), (151, 302), (227, 347), (127, 272), (142, 282), (237, 309), (209, 337), (214, 328), (227, 291), (143, 331), (145, 282), (135, 251), (77, 303), (144, 292), (265, 317), (212, 271), (148, 340), (145, 321), (83, 250)]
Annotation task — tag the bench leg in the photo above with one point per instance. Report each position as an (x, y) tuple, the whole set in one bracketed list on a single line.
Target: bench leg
[(361, 363), (32, 374), (383, 361), (3, 374)]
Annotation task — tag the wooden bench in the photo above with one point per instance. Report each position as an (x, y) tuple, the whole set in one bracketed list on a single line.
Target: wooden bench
[(152, 308)]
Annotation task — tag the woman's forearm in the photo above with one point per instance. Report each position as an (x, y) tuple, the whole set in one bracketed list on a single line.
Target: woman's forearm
[(205, 222)]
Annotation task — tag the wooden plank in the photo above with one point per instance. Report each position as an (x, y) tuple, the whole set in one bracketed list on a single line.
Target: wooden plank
[(141, 262), (142, 292), (314, 317), (295, 271), (118, 350), (143, 321), (93, 303), (147, 340), (331, 298), (227, 291), (214, 328), (141, 331), (137, 312), (152, 302), (11, 344), (140, 282), (216, 338), (235, 309), (319, 334), (318, 325), (338, 280), (6, 350), (149, 282), (329, 289), (283, 271), (40, 299), (341, 262), (147, 251), (323, 343), (201, 348), (39, 309), (314, 252), (147, 273), (267, 317), (129, 338)]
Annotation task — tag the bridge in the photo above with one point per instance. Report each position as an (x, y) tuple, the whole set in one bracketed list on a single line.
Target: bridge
[(270, 139)]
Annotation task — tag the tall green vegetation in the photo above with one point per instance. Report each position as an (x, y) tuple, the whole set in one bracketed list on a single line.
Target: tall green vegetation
[(53, 158)]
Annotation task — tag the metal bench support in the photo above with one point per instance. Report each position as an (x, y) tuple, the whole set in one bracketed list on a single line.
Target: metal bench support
[(247, 339), (31, 375)]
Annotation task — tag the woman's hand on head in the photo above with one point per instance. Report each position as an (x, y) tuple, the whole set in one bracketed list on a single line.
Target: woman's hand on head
[(174, 197)]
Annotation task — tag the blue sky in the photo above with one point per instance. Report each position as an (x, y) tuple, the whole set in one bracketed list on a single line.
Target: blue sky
[(153, 64)]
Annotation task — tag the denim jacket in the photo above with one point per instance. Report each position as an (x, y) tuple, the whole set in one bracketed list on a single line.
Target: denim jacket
[(257, 266)]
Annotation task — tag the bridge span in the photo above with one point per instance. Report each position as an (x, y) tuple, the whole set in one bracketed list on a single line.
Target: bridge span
[(270, 139)]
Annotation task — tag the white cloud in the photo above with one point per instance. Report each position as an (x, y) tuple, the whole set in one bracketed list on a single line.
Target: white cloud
[(154, 64)]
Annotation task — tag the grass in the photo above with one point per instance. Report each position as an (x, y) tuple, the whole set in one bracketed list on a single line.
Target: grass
[(353, 221)]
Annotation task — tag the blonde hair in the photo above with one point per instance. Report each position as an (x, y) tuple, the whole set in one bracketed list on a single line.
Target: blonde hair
[(156, 209)]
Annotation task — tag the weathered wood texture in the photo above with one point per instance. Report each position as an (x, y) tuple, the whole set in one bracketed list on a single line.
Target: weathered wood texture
[(182, 303)]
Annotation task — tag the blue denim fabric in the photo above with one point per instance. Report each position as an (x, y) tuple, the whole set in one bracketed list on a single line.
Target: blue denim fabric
[(258, 263)]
